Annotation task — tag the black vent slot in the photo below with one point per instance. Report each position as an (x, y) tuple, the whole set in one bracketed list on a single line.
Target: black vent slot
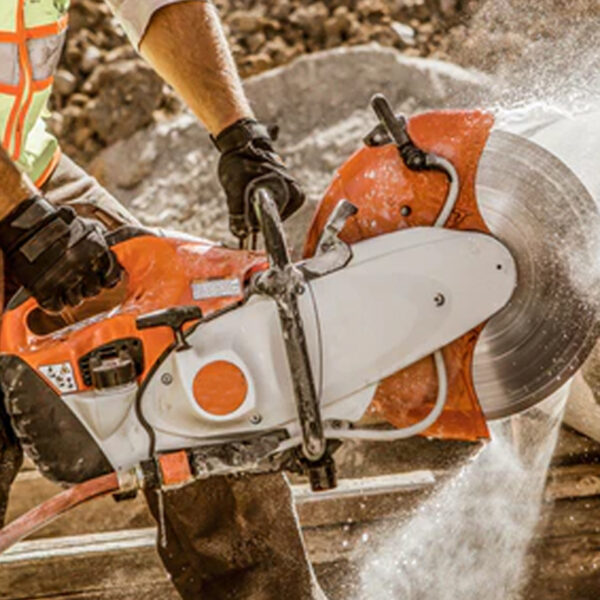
[(133, 347)]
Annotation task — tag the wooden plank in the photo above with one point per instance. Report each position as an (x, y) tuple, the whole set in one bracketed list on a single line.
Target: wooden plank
[(156, 590), (583, 588), (575, 448), (566, 568), (570, 518), (396, 507), (98, 566), (366, 486), (92, 565), (575, 481), (355, 500), (101, 565)]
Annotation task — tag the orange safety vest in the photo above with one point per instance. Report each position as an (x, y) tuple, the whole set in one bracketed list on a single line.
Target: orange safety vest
[(32, 34)]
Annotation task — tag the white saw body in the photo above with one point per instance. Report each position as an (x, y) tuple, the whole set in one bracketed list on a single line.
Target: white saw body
[(444, 283), (435, 289)]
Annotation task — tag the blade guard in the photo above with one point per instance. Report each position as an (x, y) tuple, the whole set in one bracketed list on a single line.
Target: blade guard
[(390, 197)]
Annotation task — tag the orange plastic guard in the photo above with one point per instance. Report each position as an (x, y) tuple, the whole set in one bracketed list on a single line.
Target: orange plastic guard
[(161, 273), (384, 189), (175, 469)]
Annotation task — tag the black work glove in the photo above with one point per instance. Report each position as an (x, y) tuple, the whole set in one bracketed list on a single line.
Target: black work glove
[(248, 160), (58, 257)]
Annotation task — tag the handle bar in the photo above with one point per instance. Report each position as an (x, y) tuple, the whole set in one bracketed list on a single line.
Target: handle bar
[(271, 226), (285, 283)]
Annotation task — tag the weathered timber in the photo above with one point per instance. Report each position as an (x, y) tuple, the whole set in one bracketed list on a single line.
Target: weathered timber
[(575, 481), (570, 517), (121, 561), (355, 500), (100, 565), (565, 568), (574, 448)]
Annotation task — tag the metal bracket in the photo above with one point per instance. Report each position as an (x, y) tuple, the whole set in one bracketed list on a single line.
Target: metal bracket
[(332, 253), (284, 282), (336, 222)]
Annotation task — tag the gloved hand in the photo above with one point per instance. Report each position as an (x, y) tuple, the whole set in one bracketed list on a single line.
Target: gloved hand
[(247, 160), (58, 257)]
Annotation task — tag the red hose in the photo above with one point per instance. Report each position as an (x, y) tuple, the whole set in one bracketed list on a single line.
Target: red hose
[(45, 513)]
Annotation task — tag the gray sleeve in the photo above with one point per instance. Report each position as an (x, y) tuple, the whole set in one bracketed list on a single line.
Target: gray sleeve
[(135, 15)]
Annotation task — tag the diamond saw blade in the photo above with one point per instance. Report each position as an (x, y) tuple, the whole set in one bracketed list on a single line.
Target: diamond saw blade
[(541, 211)]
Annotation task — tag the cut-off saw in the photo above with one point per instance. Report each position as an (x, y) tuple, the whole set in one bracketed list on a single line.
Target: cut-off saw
[(447, 279)]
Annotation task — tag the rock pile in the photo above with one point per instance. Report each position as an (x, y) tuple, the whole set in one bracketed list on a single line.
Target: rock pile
[(272, 32), (104, 92)]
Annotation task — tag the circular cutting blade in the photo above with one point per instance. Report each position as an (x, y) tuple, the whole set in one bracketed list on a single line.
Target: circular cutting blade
[(545, 216)]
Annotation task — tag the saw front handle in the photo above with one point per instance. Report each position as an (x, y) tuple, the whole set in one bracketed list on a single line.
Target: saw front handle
[(284, 283)]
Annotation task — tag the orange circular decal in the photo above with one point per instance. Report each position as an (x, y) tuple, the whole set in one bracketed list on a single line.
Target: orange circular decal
[(220, 388)]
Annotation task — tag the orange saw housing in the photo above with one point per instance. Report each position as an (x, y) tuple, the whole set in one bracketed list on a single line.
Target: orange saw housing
[(161, 273), (391, 197)]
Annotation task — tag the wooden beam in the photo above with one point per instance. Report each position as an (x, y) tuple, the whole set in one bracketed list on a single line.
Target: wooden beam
[(576, 481), (117, 559), (348, 502), (97, 564), (102, 565)]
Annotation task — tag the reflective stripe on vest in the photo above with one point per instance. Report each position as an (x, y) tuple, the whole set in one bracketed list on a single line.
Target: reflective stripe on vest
[(32, 35)]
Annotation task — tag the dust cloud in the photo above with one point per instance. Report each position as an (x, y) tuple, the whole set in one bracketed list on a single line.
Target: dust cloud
[(538, 52), (470, 540)]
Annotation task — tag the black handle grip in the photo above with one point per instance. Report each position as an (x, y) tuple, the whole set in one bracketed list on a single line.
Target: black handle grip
[(175, 317), (396, 126), (271, 227)]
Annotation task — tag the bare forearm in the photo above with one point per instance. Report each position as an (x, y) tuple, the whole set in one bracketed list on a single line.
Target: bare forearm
[(186, 45), (14, 188)]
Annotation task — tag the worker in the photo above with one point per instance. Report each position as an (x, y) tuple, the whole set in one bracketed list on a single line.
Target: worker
[(223, 538)]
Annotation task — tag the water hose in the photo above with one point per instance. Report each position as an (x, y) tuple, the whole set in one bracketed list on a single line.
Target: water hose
[(50, 510)]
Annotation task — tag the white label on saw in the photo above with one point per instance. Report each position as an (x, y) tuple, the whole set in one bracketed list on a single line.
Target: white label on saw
[(216, 288), (61, 376)]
